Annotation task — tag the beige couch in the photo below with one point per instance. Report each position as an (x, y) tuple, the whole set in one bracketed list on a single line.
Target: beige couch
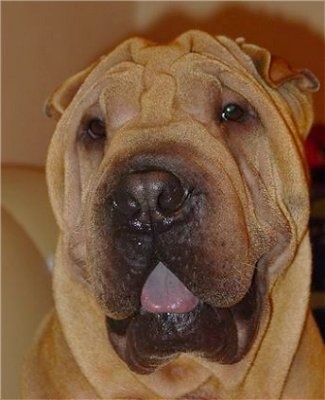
[(28, 243)]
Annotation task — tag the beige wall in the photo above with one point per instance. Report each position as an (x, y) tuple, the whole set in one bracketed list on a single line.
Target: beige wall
[(45, 42), (147, 13)]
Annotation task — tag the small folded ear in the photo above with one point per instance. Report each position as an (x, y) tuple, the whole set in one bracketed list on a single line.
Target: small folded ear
[(280, 71), (62, 97), (295, 85), (276, 71)]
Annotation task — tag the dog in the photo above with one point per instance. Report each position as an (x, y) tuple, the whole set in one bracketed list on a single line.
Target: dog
[(177, 177)]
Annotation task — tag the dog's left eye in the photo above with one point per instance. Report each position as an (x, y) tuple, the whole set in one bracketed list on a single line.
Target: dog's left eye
[(232, 112), (96, 128)]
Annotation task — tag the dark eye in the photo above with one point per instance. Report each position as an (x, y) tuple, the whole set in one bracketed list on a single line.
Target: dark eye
[(232, 112), (96, 129)]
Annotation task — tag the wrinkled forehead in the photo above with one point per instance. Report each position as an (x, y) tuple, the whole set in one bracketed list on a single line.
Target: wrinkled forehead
[(139, 74), (158, 59)]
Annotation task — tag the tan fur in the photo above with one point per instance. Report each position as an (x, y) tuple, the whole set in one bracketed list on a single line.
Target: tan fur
[(71, 356)]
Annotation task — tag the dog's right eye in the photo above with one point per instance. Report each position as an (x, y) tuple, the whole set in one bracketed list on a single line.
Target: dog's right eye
[(96, 129)]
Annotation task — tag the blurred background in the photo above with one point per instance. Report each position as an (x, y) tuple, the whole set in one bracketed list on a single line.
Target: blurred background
[(43, 43)]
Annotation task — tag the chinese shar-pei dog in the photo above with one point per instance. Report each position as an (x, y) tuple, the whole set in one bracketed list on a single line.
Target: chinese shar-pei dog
[(178, 181)]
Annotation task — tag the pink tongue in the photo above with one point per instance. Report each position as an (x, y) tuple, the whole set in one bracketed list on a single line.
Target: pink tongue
[(163, 292)]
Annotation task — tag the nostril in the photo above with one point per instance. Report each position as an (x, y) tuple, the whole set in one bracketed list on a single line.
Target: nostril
[(172, 197), (126, 203)]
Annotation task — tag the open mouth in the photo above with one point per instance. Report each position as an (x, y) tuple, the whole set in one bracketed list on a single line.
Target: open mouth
[(172, 320)]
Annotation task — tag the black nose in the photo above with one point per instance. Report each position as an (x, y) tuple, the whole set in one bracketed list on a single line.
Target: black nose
[(149, 197)]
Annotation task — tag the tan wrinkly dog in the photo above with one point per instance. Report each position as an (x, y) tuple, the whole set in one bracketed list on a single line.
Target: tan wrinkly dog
[(175, 108)]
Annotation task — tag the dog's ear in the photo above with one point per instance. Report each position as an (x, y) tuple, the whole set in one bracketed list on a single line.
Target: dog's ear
[(61, 98), (276, 71), (295, 85), (280, 71)]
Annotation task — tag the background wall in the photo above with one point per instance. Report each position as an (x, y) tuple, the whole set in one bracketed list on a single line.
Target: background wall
[(46, 42)]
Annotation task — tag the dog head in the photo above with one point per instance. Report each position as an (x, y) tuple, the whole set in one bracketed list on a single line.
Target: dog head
[(177, 177)]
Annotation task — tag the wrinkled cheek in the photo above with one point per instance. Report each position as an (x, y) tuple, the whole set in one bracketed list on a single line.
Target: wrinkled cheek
[(116, 285), (228, 261), (115, 300)]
